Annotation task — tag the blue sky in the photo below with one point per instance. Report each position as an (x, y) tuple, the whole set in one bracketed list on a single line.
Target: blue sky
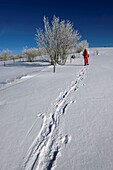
[(19, 20)]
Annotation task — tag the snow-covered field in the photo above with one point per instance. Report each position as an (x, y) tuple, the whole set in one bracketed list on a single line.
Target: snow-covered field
[(62, 120)]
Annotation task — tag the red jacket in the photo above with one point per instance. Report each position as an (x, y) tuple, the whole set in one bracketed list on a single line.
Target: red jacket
[(85, 53)]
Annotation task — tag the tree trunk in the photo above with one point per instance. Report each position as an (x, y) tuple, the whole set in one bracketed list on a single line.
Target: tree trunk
[(54, 67), (4, 64)]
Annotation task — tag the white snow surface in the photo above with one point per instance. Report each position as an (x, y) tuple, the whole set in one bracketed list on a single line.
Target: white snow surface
[(60, 121)]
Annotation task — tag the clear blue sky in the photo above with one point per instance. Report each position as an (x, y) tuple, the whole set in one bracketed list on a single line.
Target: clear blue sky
[(19, 20)]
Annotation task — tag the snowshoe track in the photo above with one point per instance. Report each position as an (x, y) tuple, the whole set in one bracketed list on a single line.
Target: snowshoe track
[(47, 145)]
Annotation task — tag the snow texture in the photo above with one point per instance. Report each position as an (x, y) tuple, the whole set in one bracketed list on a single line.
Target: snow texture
[(61, 120)]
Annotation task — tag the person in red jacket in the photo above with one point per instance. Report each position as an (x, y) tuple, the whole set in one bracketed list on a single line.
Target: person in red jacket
[(86, 56)]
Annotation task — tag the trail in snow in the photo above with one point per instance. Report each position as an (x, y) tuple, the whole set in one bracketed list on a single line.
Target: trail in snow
[(47, 145)]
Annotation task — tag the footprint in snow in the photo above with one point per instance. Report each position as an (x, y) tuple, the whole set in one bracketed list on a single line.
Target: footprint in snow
[(66, 139)]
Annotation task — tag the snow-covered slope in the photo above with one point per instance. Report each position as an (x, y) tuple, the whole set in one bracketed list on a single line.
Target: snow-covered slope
[(90, 119), (59, 120)]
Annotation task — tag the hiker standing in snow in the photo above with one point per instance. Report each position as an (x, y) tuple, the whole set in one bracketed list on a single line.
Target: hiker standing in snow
[(86, 56)]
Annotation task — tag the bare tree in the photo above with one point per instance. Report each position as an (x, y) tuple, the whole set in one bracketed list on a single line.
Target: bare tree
[(81, 46), (5, 55), (57, 39), (31, 53)]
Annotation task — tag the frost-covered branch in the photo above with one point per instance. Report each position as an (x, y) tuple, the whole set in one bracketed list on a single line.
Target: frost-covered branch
[(57, 39), (31, 53)]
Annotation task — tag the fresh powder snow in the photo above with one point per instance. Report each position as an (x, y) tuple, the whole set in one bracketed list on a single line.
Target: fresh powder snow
[(61, 120)]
